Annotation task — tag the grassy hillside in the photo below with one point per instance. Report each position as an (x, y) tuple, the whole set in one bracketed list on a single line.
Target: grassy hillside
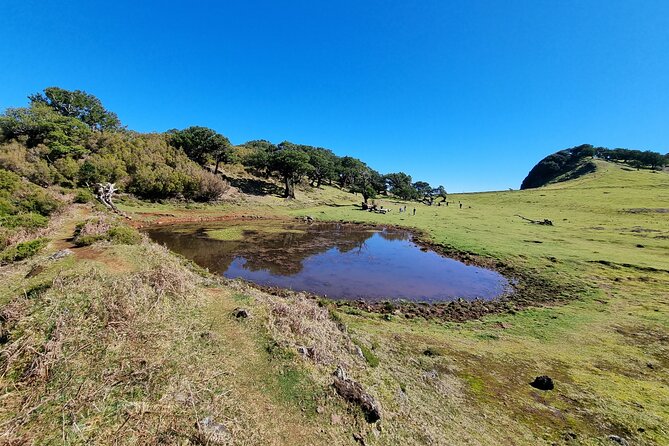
[(127, 341)]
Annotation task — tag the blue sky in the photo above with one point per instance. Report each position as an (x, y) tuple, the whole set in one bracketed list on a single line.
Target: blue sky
[(468, 94)]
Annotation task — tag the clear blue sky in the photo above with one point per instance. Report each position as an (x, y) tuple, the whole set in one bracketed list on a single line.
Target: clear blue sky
[(468, 94)]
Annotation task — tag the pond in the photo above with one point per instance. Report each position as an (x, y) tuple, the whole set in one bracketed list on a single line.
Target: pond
[(339, 261)]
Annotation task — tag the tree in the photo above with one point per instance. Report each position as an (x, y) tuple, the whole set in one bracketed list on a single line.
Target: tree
[(348, 170), (323, 163), (291, 163), (440, 192), (423, 189), (78, 104), (203, 145), (399, 184)]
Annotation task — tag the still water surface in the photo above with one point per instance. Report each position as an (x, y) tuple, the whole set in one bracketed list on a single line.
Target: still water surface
[(335, 260)]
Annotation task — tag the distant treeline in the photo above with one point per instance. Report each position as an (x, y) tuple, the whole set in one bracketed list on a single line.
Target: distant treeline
[(68, 138), (570, 163)]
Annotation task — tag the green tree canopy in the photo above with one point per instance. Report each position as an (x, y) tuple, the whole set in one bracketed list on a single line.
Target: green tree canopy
[(203, 145), (291, 163), (78, 104), (40, 124)]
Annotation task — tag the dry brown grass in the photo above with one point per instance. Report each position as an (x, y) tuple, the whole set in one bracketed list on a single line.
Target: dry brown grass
[(99, 356)]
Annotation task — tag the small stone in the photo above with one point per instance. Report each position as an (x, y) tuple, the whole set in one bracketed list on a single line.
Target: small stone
[(60, 254), (320, 409), (430, 375), (358, 352), (359, 438), (211, 432), (240, 313), (543, 383), (619, 440)]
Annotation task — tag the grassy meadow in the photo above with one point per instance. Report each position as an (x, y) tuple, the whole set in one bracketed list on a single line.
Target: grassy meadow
[(131, 342)]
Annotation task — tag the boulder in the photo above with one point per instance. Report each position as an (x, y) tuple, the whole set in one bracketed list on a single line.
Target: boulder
[(543, 383), (353, 392)]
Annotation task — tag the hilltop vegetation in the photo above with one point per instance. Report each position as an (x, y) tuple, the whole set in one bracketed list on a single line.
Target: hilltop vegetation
[(572, 163)]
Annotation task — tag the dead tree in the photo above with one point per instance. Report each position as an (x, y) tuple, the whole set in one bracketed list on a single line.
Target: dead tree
[(105, 193), (545, 221)]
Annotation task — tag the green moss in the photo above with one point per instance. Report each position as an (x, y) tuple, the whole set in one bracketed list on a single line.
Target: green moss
[(370, 357), (226, 234)]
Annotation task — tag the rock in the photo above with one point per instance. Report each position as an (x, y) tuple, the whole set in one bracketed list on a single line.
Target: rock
[(430, 375), (35, 270), (211, 432), (307, 352), (60, 254), (359, 438), (619, 440), (358, 351), (240, 313), (320, 409), (353, 392), (542, 383)]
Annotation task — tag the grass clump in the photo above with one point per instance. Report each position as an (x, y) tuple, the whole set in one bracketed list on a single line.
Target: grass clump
[(22, 250), (101, 229), (369, 356)]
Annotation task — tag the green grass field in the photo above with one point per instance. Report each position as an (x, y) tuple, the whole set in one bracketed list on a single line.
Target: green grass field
[(606, 347)]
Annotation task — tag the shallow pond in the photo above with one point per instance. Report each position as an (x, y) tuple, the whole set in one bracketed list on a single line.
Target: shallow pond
[(340, 261)]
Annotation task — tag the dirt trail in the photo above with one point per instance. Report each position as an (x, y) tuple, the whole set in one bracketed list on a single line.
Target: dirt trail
[(62, 239)]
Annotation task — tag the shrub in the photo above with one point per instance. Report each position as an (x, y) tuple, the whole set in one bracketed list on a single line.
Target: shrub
[(124, 235), (29, 220), (99, 229), (84, 196), (22, 251), (207, 186)]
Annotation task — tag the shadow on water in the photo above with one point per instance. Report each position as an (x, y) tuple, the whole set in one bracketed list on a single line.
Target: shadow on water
[(339, 261)]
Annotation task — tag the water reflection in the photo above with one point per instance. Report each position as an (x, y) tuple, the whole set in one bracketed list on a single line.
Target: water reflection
[(338, 260)]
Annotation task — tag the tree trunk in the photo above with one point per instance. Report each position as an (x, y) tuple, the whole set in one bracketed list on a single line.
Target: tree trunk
[(218, 161), (318, 182), (290, 187)]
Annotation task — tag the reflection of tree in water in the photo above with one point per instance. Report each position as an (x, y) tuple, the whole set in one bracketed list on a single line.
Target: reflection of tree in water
[(284, 253), (280, 253), (392, 235)]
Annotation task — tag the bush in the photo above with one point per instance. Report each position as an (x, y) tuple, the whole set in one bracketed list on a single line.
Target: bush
[(27, 221), (22, 251), (207, 186), (124, 235), (99, 229), (84, 196)]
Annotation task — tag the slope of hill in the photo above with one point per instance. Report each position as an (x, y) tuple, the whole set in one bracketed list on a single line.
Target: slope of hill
[(572, 163)]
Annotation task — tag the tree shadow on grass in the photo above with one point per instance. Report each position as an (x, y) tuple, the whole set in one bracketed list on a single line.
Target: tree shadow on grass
[(254, 186)]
